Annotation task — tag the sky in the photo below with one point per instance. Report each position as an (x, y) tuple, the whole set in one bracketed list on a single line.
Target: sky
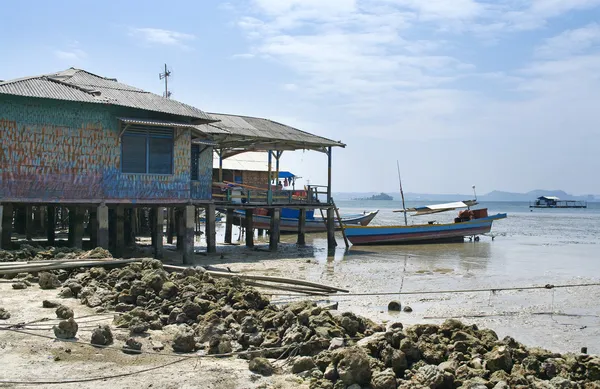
[(504, 95)]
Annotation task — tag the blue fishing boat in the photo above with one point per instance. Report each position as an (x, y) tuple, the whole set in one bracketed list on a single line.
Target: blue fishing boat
[(469, 223)]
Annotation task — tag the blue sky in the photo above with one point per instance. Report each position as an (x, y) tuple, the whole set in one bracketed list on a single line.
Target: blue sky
[(501, 94)]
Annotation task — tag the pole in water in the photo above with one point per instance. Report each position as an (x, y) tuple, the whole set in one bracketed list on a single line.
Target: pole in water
[(402, 193)]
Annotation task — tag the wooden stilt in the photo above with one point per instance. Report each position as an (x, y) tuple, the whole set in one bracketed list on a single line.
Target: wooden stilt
[(229, 226), (302, 227), (189, 214), (275, 228), (211, 232), (6, 226), (93, 227), (102, 227), (331, 243), (170, 224), (51, 225), (158, 232), (249, 228), (120, 231), (76, 224), (29, 226)]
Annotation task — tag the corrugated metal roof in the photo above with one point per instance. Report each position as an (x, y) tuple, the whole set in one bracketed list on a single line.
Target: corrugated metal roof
[(268, 130), (81, 86), (159, 123)]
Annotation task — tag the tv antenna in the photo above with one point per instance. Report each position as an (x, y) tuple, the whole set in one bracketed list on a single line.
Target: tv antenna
[(165, 76)]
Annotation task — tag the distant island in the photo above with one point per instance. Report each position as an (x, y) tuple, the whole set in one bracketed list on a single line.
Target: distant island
[(495, 195), (380, 196)]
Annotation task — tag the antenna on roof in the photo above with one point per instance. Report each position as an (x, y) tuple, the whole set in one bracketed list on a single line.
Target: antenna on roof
[(165, 76)]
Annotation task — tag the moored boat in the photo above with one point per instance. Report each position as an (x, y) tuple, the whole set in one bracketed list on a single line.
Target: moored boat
[(289, 220), (469, 223)]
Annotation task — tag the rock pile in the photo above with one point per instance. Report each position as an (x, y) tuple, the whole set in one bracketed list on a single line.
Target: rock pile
[(451, 355), (33, 252)]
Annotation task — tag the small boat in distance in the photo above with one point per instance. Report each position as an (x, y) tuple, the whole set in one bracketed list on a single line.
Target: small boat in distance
[(469, 223), (555, 202)]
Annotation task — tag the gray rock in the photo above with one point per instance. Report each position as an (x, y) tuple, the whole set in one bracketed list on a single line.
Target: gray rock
[(499, 359), (474, 383), (562, 383), (261, 366), (19, 285), (384, 380), (49, 304), (4, 314), (407, 309), (48, 281), (330, 373), (65, 293), (132, 346), (501, 385), (354, 386), (430, 376), (301, 364), (336, 343), (183, 341), (410, 349), (66, 329), (354, 366), (137, 326), (394, 306), (158, 346), (395, 359), (64, 312), (101, 336)]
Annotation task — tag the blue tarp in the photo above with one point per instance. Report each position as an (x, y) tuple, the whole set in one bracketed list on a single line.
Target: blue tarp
[(286, 175)]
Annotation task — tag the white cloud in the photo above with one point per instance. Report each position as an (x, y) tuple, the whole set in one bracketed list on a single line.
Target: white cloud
[(243, 56), (157, 36), (571, 42), (290, 87), (73, 55)]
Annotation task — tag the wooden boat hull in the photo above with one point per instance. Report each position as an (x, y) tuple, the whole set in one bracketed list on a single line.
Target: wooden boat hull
[(423, 233), (290, 225)]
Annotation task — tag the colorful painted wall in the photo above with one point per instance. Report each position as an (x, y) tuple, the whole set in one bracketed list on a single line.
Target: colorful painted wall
[(53, 150)]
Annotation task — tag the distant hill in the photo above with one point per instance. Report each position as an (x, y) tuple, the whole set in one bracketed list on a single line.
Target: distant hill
[(380, 196), (495, 195)]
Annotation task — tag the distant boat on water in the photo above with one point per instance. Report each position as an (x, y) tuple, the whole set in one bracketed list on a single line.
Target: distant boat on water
[(555, 202), (381, 196)]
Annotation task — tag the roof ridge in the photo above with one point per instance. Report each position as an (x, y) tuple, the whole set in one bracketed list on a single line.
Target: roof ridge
[(95, 75)]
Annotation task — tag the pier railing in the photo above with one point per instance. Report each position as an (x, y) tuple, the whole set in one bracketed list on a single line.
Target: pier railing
[(232, 193)]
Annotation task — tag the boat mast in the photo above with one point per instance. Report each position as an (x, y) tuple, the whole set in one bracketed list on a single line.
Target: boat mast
[(402, 194)]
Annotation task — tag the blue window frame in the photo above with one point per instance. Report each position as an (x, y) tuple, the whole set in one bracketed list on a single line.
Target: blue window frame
[(147, 150)]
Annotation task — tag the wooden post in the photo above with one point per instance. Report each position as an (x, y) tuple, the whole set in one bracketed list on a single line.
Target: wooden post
[(128, 227), (220, 153), (170, 224), (158, 232), (6, 225), (152, 225), (93, 227), (189, 213), (20, 219), (277, 156), (179, 228), (302, 227), (274, 230), (120, 231), (102, 226), (329, 177), (51, 225), (29, 226), (270, 189), (211, 232), (331, 243), (260, 232), (76, 229), (249, 227), (228, 225)]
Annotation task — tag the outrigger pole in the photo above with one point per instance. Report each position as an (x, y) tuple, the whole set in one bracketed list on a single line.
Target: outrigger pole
[(402, 194)]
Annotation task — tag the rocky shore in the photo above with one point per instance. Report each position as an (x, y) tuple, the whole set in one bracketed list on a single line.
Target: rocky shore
[(325, 348)]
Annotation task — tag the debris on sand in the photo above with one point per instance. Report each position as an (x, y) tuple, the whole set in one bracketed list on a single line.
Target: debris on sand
[(19, 285), (102, 336), (66, 329), (64, 312), (49, 304), (4, 314), (132, 346), (261, 366), (48, 281)]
